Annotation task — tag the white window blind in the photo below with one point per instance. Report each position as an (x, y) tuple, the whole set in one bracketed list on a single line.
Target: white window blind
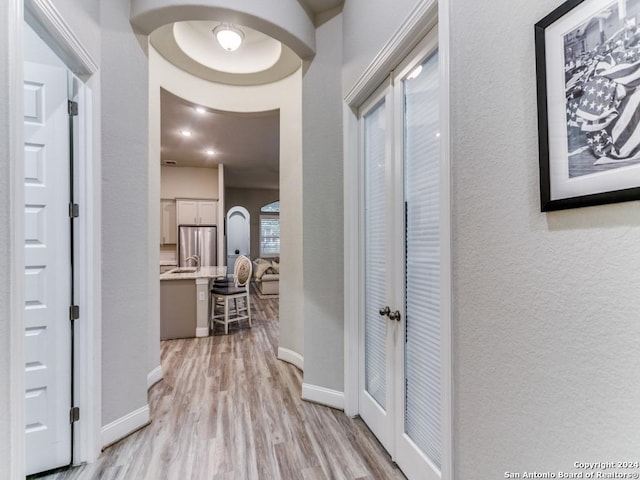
[(269, 235), (422, 336), (375, 253)]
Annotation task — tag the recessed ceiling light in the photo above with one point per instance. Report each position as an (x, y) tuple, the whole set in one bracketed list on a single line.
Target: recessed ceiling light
[(209, 151), (201, 110), (185, 133)]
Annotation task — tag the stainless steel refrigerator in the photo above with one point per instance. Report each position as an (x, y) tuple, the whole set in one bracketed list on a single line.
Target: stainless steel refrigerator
[(200, 240)]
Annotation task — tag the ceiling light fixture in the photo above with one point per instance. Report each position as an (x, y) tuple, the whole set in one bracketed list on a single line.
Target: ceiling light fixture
[(209, 151), (228, 36), (185, 133)]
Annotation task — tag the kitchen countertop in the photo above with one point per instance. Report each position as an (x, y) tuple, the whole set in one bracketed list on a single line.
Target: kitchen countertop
[(202, 272), (168, 263)]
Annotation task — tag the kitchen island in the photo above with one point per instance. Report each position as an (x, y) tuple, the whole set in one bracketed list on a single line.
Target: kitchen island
[(184, 302)]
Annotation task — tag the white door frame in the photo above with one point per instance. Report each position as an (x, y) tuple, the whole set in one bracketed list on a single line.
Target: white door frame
[(420, 21), (45, 19)]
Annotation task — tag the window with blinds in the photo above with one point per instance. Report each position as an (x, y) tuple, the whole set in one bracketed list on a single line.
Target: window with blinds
[(422, 213), (273, 207), (269, 235)]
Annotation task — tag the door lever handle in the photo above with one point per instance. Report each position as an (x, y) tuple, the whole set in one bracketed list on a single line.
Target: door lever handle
[(386, 311), (394, 315)]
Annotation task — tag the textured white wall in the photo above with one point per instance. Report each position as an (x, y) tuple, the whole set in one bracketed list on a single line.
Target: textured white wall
[(125, 259), (323, 212), (285, 95), (84, 18), (368, 26), (546, 306)]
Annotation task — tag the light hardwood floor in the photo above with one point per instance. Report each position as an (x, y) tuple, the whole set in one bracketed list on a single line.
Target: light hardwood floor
[(227, 409)]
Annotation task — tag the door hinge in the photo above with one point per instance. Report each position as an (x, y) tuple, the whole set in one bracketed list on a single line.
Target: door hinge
[(74, 414), (74, 210), (73, 108), (74, 312)]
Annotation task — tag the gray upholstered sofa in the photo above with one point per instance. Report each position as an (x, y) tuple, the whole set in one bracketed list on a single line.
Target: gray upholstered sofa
[(266, 274)]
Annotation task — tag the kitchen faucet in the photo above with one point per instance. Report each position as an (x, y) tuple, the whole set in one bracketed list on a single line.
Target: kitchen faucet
[(195, 258)]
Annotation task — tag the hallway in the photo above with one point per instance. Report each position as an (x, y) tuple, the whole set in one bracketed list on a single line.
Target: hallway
[(228, 409)]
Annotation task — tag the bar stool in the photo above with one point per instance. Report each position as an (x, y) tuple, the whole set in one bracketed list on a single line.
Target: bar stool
[(222, 293)]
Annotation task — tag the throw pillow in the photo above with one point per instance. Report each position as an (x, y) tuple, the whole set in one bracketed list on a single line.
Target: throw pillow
[(261, 268)]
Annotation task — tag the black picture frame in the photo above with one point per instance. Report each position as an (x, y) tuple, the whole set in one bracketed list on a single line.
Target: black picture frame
[(588, 114)]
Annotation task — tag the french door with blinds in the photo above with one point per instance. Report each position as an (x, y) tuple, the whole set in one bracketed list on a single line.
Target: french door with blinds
[(400, 393)]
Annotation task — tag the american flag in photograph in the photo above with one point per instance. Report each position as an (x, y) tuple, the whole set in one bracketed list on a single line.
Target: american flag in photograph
[(608, 109)]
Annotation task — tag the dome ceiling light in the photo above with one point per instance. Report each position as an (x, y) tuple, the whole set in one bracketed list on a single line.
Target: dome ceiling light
[(228, 36)]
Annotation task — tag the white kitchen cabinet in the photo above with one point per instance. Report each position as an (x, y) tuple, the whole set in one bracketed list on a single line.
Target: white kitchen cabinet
[(208, 212), (168, 222), (197, 212), (187, 212)]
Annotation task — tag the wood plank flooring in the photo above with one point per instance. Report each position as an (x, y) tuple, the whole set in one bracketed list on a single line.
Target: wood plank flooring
[(227, 409)]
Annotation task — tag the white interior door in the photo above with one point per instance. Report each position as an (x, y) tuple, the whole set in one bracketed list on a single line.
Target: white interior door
[(418, 362), (238, 231), (47, 268), (400, 376)]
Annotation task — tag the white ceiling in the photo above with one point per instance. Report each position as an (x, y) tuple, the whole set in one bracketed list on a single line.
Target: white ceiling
[(248, 145)]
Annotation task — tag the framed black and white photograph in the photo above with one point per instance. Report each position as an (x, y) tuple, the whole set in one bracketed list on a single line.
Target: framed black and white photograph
[(588, 74)]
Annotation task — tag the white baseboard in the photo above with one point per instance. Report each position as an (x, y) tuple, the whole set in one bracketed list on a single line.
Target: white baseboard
[(202, 332), (124, 426), (291, 357), (323, 396), (154, 376)]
